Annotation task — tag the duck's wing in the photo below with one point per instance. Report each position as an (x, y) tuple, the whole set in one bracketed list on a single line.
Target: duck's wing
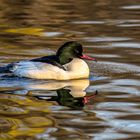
[(53, 59), (46, 59)]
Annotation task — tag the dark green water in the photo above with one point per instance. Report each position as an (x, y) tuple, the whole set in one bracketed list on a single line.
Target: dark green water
[(105, 107)]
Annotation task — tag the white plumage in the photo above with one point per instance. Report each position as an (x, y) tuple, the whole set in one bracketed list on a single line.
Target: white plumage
[(75, 69)]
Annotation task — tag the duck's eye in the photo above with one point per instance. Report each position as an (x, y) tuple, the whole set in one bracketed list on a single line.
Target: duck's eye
[(76, 51)]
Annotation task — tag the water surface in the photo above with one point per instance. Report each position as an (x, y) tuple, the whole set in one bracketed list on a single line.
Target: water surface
[(105, 107)]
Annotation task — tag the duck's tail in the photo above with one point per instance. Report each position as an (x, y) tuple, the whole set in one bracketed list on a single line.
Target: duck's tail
[(6, 69)]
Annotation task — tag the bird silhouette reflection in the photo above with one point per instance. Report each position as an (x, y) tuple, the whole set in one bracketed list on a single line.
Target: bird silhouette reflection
[(71, 93)]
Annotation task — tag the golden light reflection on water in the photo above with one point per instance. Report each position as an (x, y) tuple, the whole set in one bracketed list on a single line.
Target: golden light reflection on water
[(26, 31), (18, 117)]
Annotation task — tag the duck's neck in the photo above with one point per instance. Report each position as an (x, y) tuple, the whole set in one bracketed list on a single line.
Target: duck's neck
[(64, 59)]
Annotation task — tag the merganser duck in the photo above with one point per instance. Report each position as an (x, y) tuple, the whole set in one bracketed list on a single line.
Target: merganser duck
[(67, 64)]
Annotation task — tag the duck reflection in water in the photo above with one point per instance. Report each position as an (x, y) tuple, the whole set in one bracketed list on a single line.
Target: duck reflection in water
[(65, 98), (69, 93)]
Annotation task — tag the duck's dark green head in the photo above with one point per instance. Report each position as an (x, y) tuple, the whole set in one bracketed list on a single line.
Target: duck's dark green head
[(70, 50)]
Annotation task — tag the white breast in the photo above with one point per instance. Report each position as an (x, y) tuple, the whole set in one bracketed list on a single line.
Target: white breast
[(76, 69)]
